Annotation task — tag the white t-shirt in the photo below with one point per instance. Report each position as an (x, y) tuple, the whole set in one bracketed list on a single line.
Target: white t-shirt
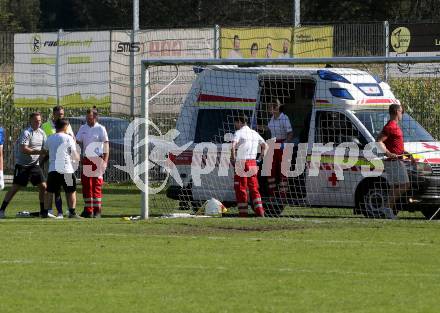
[(280, 127), (60, 147), (235, 54), (248, 141), (94, 137)]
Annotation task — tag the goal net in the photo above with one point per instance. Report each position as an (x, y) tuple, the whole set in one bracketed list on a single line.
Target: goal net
[(345, 137)]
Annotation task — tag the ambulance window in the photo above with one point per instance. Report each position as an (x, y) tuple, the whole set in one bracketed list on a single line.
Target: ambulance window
[(335, 127), (213, 124)]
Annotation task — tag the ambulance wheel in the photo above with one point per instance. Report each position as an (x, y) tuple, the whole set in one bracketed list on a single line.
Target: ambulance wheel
[(273, 210), (373, 199), (429, 211)]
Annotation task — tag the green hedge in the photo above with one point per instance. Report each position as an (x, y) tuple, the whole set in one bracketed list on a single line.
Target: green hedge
[(421, 99)]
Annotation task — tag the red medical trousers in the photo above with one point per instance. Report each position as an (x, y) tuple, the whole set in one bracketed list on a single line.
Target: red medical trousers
[(92, 186), (275, 174), (241, 184)]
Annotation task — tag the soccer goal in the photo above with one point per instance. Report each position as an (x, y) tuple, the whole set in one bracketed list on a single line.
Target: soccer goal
[(344, 137)]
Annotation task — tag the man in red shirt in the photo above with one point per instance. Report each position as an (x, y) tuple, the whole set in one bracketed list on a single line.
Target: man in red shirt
[(391, 141)]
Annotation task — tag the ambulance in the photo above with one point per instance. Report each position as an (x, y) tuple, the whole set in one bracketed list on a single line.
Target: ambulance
[(325, 106)]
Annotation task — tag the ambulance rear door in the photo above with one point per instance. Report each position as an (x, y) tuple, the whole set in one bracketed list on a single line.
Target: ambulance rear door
[(223, 94)]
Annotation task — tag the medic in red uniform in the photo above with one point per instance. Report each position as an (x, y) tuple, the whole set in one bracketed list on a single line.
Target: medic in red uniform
[(244, 153), (94, 139)]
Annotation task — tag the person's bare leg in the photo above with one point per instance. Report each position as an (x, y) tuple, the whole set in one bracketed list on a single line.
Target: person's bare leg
[(48, 200), (396, 192), (42, 191), (392, 196), (8, 197), (71, 200), (11, 193)]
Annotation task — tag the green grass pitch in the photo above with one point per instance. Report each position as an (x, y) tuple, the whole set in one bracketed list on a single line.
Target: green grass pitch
[(214, 264)]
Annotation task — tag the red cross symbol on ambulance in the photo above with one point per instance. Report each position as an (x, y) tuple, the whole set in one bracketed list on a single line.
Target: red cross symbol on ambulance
[(429, 146), (333, 179)]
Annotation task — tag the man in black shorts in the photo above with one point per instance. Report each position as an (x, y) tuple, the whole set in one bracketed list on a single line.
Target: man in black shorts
[(27, 162), (62, 155)]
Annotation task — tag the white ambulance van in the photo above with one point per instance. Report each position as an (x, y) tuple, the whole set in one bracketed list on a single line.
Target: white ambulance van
[(324, 105)]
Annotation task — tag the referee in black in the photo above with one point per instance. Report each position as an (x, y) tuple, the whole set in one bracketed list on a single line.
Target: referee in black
[(29, 147)]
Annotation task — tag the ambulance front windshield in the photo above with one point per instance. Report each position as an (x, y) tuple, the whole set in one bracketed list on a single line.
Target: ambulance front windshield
[(374, 121)]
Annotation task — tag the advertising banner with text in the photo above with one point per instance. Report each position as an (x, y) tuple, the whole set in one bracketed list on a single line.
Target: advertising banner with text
[(67, 68), (276, 42), (170, 43), (414, 40), (313, 42), (263, 42)]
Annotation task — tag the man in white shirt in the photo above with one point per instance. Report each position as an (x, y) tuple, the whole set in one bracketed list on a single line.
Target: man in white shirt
[(244, 151), (94, 139), (62, 153), (49, 129), (280, 129)]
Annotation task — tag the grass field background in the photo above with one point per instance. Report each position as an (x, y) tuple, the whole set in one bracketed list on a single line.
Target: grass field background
[(214, 264)]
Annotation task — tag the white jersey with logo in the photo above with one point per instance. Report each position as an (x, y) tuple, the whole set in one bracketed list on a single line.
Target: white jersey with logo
[(60, 147), (248, 141), (280, 127), (94, 137)]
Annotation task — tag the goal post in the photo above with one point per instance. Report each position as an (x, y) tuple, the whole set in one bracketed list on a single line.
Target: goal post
[(167, 74)]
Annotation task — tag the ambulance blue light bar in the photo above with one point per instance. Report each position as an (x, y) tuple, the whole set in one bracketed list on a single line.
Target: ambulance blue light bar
[(198, 69), (331, 76), (341, 93)]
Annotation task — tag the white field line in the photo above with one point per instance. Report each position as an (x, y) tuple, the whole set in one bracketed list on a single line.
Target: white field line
[(29, 261), (258, 269), (330, 242)]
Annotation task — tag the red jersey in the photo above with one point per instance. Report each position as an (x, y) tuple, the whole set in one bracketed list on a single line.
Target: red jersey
[(394, 141)]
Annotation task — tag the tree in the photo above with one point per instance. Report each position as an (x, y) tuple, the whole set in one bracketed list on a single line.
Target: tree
[(19, 15), (56, 14)]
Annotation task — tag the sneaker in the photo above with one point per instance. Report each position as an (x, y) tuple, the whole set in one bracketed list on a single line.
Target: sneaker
[(86, 214), (2, 214), (50, 215), (23, 214), (74, 215), (60, 216), (97, 215), (389, 214)]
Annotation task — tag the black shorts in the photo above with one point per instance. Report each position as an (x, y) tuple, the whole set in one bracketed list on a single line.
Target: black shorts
[(22, 175), (55, 180)]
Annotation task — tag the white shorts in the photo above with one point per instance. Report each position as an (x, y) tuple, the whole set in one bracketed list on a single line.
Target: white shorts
[(396, 172)]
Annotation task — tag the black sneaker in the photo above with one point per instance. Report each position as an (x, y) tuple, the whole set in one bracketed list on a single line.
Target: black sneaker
[(85, 214), (44, 213), (73, 215)]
